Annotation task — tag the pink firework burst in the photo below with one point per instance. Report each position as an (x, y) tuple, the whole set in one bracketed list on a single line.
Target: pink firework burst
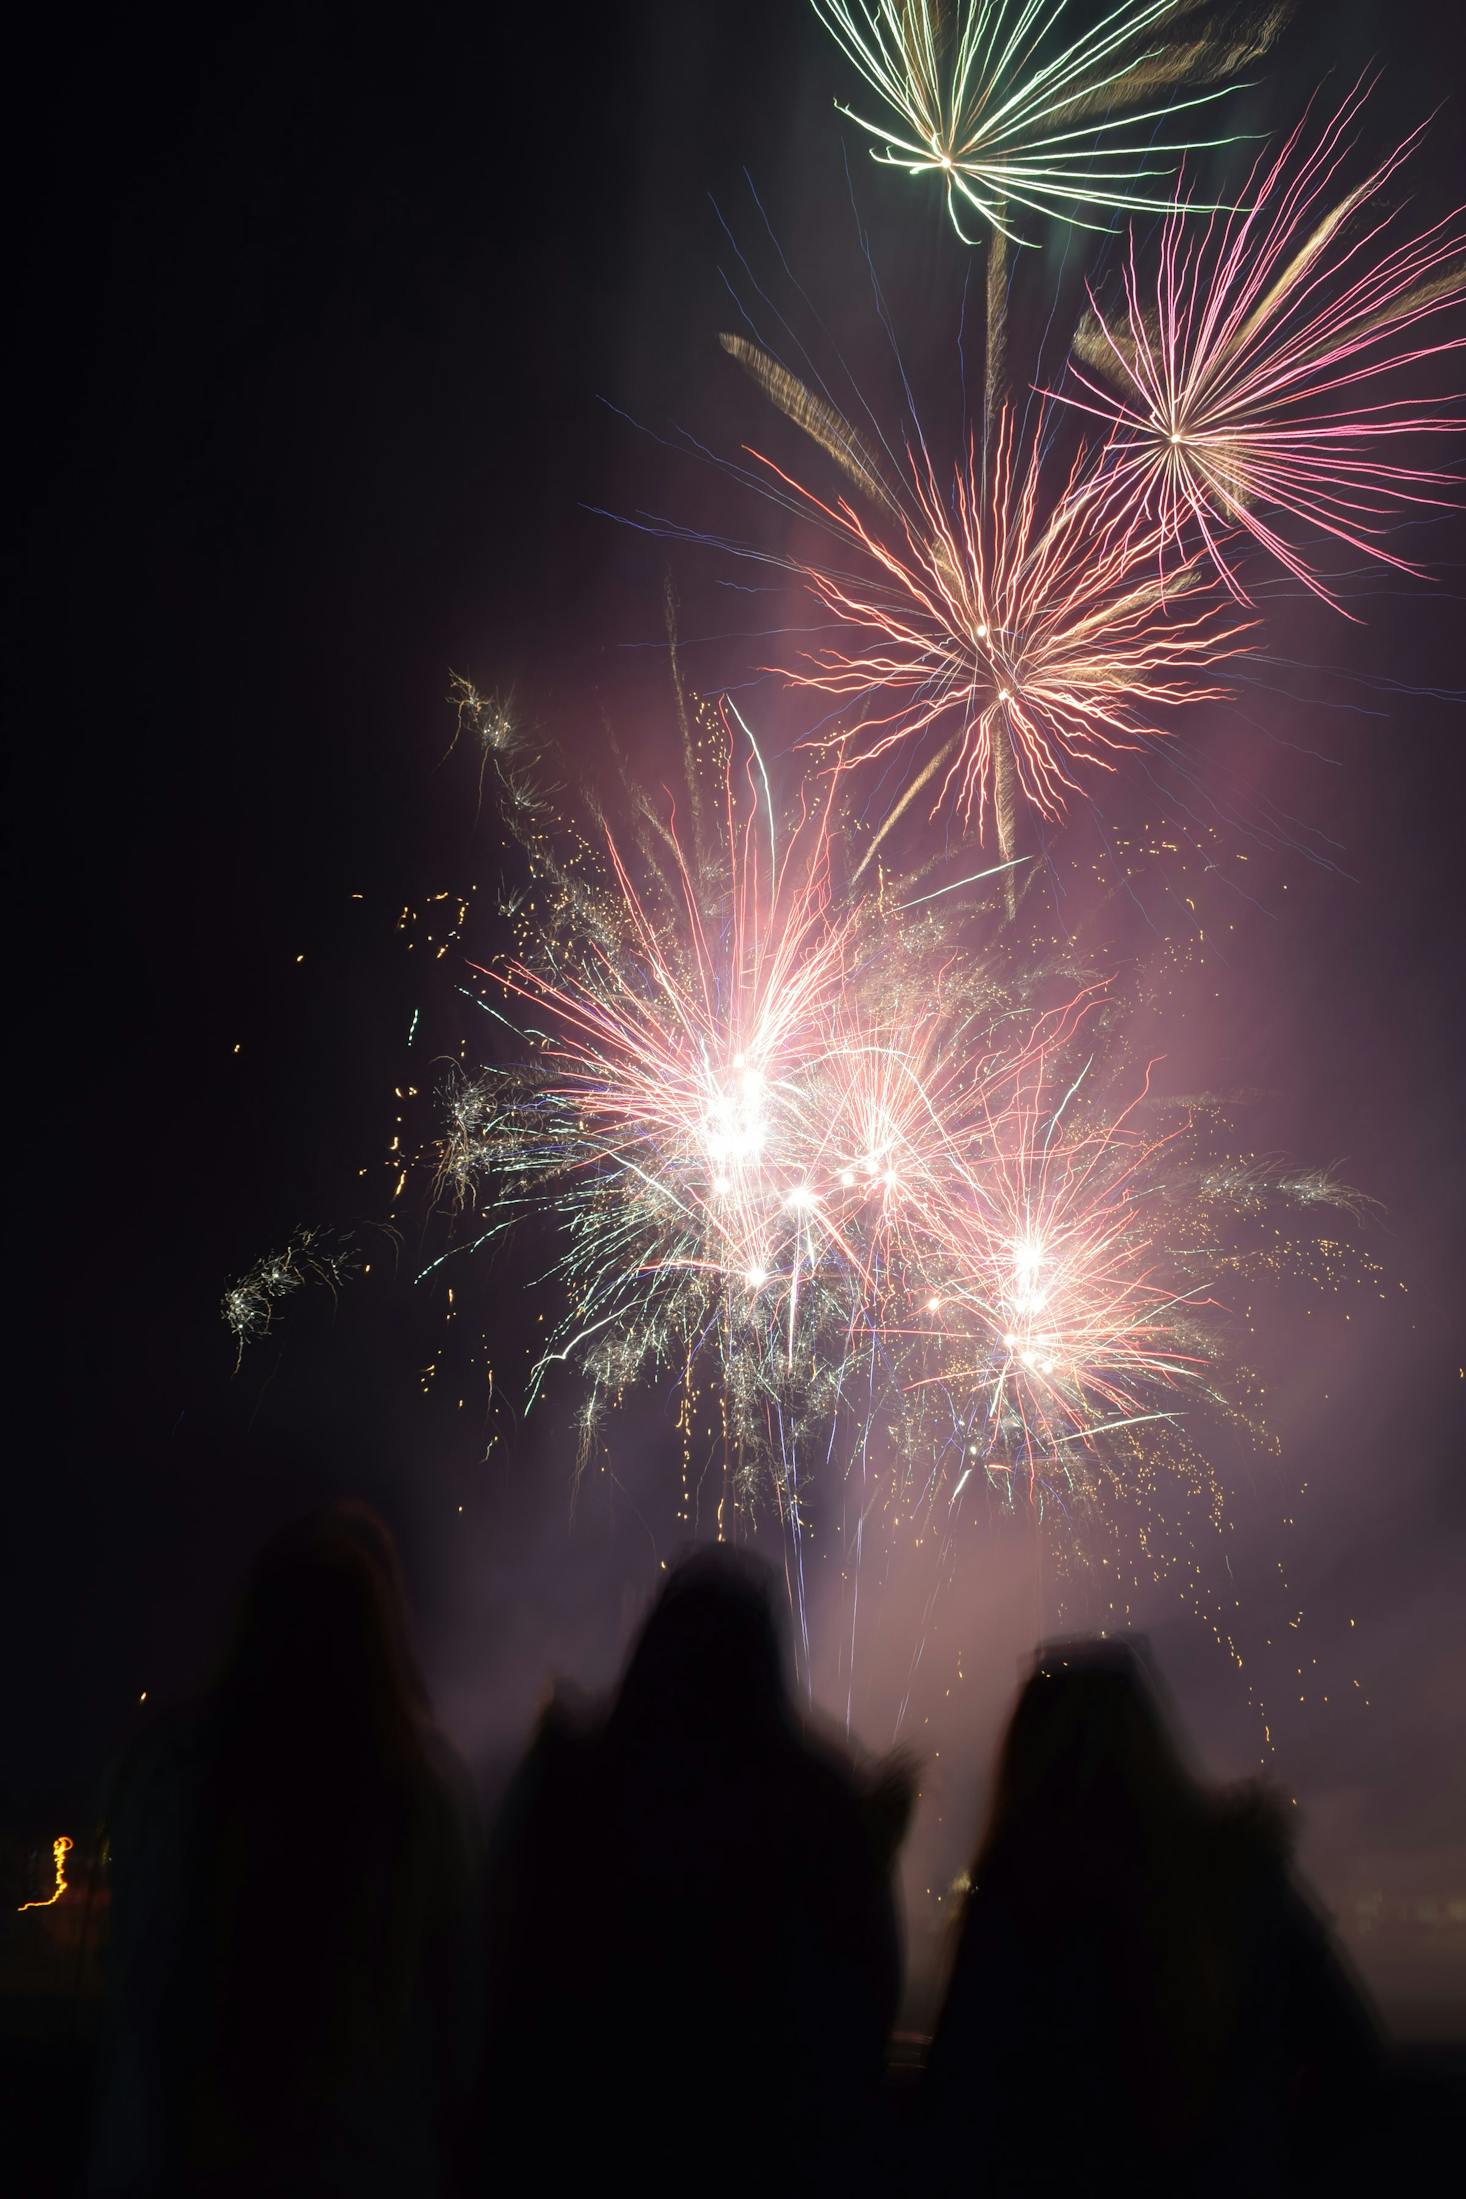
[(684, 1045), (990, 620), (1249, 376), (1057, 1310)]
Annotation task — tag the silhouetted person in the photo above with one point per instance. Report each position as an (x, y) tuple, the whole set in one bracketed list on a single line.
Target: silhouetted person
[(693, 1948), (1142, 2000), (294, 1966)]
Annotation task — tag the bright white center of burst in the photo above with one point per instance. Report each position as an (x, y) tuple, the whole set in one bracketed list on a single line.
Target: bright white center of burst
[(801, 1197), (1026, 1296), (736, 1127), (755, 1276)]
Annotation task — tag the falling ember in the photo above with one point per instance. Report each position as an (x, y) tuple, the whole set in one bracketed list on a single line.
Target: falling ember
[(61, 1848)]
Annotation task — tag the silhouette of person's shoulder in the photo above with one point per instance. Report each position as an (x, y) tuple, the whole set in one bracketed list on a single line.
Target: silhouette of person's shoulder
[(1252, 1826), (1299, 1966), (1250, 1852), (887, 1801), (450, 1773), (880, 1797), (156, 1775), (544, 1792), (569, 1735)]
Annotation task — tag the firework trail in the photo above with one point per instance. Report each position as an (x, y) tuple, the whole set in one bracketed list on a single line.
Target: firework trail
[(1249, 377), (988, 96)]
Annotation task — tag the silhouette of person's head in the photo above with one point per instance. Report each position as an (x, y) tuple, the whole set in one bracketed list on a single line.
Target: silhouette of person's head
[(710, 1657), (322, 1837), (320, 1650), (1089, 1762)]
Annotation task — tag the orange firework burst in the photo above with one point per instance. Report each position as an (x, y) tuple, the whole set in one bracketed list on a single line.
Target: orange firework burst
[(996, 623)]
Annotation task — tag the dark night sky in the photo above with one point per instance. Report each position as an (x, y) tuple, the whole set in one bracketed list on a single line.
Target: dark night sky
[(311, 323)]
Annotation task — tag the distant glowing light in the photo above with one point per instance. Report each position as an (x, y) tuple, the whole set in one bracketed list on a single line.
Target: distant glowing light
[(60, 1849)]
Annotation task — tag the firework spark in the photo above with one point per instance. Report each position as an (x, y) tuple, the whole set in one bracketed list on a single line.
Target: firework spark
[(1250, 376), (1007, 114), (60, 1850), (995, 624), (249, 1305)]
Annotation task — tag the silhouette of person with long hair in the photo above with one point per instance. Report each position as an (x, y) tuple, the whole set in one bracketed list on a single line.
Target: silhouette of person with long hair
[(1142, 1999), (294, 1967), (694, 1957)]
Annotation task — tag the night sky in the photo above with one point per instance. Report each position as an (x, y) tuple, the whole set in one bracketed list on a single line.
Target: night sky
[(326, 338)]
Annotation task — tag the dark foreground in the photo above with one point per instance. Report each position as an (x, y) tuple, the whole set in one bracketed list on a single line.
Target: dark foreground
[(46, 2091)]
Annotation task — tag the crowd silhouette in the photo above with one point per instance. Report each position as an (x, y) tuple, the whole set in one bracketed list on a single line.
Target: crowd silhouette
[(675, 1958)]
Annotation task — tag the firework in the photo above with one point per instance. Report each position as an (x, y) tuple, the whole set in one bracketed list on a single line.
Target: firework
[(989, 624), (1250, 376), (1075, 1303), (1060, 1315), (842, 1153), (735, 1095), (249, 1305), (487, 721), (60, 1850), (989, 97), (684, 998)]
